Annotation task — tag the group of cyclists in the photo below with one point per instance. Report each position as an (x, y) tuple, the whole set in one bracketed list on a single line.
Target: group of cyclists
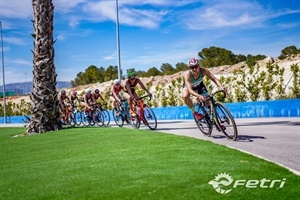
[(117, 93), (193, 85)]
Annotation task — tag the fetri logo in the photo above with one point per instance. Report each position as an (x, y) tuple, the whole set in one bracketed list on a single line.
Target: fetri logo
[(222, 183)]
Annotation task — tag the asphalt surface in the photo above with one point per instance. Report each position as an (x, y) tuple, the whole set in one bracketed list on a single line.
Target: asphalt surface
[(273, 139)]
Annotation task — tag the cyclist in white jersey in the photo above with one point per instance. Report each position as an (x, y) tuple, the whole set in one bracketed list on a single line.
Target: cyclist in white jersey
[(193, 84)]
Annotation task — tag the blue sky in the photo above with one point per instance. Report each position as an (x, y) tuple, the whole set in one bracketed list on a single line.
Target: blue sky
[(152, 32)]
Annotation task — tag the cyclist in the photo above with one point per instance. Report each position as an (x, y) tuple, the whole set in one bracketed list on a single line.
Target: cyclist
[(193, 84), (87, 100), (74, 97), (97, 95), (129, 87), (115, 93), (61, 100)]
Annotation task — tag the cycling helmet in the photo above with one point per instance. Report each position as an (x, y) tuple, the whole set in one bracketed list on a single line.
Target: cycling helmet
[(116, 82), (63, 91), (88, 91), (192, 62), (130, 74), (97, 91), (74, 93)]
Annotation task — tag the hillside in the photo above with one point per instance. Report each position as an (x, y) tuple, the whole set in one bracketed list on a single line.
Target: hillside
[(164, 82)]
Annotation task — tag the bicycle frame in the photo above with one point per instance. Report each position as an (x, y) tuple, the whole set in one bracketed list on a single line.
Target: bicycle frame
[(140, 104), (218, 115)]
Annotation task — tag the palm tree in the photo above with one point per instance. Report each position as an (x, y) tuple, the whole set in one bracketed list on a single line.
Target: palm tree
[(44, 108)]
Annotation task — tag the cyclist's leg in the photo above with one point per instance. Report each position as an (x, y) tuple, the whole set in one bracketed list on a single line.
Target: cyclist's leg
[(113, 102), (133, 109), (83, 104), (187, 99)]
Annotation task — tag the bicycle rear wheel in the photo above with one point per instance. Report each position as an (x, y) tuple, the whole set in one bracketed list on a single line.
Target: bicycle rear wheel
[(204, 124), (135, 121), (225, 121), (86, 119), (118, 117), (150, 117), (71, 119)]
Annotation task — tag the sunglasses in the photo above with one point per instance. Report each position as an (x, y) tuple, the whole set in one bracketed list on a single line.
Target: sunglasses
[(194, 67)]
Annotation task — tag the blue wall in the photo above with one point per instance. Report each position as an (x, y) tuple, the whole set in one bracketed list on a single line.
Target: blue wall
[(277, 108)]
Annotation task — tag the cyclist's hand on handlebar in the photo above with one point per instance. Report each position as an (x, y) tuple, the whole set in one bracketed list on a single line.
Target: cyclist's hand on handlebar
[(201, 98)]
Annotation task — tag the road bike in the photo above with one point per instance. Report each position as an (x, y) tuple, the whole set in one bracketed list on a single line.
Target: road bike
[(68, 117), (77, 115), (144, 114), (121, 113), (104, 113), (92, 117), (215, 113)]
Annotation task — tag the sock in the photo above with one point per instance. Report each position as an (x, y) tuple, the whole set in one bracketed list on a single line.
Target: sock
[(192, 109)]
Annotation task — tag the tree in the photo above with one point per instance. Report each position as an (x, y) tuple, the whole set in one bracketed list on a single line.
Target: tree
[(167, 69), (44, 109), (288, 51), (153, 72), (215, 56), (181, 67)]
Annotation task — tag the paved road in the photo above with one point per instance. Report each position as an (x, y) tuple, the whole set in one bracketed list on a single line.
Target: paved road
[(274, 139)]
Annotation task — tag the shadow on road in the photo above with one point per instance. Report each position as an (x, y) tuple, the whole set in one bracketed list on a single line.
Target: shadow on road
[(287, 123), (241, 138)]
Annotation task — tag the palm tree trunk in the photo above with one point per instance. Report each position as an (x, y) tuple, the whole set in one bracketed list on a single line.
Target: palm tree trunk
[(44, 108)]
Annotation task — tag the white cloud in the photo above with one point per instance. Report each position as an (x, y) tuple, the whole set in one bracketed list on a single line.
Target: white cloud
[(14, 40)]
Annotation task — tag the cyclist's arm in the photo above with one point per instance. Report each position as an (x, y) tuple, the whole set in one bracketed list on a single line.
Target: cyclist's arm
[(86, 102), (143, 86), (102, 98), (213, 78), (93, 99), (112, 91)]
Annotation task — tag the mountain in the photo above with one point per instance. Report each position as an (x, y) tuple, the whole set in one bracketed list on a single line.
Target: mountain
[(26, 87)]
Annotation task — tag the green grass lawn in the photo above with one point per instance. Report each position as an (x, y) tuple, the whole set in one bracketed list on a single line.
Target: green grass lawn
[(120, 163)]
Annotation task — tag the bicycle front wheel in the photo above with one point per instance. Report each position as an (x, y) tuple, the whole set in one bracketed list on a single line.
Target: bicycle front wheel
[(105, 117), (150, 117), (204, 124), (78, 117), (71, 119), (225, 121)]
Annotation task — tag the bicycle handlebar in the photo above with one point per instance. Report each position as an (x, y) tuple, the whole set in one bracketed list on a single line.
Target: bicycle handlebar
[(219, 91), (142, 97)]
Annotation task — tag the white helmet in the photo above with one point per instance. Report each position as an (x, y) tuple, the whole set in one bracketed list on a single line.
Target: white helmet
[(192, 62), (88, 91), (116, 81)]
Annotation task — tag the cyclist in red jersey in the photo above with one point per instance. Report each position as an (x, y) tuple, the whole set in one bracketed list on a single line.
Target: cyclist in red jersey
[(115, 93)]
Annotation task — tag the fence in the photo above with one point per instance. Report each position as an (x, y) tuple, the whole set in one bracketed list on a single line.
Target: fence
[(276, 108)]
